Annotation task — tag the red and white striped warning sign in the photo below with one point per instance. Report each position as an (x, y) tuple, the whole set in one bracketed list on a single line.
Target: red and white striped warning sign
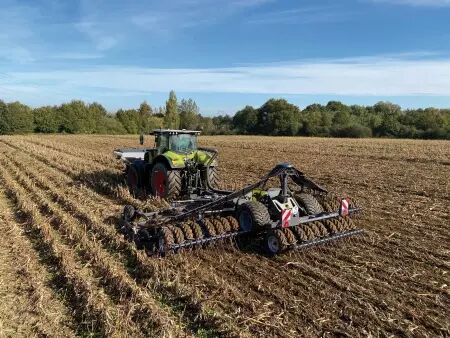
[(286, 215), (344, 207)]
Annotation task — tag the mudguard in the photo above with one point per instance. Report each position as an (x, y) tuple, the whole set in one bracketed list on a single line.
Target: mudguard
[(142, 169)]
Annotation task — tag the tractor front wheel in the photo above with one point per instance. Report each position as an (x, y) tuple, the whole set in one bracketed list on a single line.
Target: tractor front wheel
[(165, 183)]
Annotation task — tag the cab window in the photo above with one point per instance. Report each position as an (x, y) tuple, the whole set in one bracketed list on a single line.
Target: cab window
[(183, 143)]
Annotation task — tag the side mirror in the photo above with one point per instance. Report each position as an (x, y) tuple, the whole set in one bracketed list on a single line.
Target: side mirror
[(141, 139)]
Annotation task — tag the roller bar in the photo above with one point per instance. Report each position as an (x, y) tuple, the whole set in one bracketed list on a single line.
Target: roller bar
[(201, 241), (335, 237)]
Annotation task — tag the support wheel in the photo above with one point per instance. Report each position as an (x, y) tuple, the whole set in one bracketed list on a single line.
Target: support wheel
[(310, 203), (253, 215), (275, 242)]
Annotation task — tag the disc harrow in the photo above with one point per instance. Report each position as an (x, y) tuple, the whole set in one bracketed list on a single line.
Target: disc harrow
[(273, 217)]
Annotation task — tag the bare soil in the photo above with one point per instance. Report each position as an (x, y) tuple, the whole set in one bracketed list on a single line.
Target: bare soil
[(66, 271)]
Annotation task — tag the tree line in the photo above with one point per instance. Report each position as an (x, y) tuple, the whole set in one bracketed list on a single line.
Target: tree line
[(274, 117)]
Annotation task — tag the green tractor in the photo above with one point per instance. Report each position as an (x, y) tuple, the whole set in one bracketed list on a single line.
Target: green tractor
[(173, 168)]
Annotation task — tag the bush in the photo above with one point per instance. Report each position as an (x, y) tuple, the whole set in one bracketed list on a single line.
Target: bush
[(353, 131)]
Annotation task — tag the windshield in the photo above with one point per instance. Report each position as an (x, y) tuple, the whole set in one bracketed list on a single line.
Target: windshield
[(183, 143)]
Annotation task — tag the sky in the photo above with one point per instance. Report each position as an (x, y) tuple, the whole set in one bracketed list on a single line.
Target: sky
[(225, 54)]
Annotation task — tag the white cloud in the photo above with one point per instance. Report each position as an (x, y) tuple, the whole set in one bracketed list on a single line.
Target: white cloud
[(76, 56), (373, 76), (429, 3), (15, 53), (300, 15), (101, 40), (180, 14)]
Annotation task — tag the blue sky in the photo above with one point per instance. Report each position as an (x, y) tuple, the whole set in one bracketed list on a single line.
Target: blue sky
[(225, 54)]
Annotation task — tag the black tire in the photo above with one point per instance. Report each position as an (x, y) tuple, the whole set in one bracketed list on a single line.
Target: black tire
[(275, 242), (134, 182), (213, 177), (142, 239), (310, 203), (253, 215), (165, 183)]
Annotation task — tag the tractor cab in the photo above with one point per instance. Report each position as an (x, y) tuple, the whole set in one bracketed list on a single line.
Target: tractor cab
[(178, 141)]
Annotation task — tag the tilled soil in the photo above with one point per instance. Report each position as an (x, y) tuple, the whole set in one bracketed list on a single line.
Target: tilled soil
[(65, 270)]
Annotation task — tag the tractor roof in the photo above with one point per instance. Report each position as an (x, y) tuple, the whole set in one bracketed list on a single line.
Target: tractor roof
[(175, 131)]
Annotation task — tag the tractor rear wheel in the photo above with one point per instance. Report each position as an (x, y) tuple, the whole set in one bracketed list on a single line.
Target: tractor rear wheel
[(253, 215), (165, 183), (213, 177), (310, 203), (133, 182)]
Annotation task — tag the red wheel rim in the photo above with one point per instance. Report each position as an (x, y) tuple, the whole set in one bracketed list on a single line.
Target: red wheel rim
[(159, 183)]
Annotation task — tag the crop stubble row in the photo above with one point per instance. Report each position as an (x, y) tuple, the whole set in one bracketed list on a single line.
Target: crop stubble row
[(335, 289)]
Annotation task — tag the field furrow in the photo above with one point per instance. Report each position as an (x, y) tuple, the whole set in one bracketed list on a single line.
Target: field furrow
[(61, 200), (114, 279), (28, 290)]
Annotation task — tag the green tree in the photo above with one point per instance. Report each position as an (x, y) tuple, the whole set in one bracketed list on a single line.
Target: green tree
[(337, 106), (206, 125), (311, 122), (223, 124), (172, 119), (189, 114), (97, 114), (4, 119), (19, 118), (390, 115), (110, 125), (129, 120), (77, 118), (245, 120), (155, 122), (278, 117), (46, 119), (342, 118), (144, 114)]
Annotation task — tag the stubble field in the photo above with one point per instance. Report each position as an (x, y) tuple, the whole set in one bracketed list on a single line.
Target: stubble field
[(65, 271)]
